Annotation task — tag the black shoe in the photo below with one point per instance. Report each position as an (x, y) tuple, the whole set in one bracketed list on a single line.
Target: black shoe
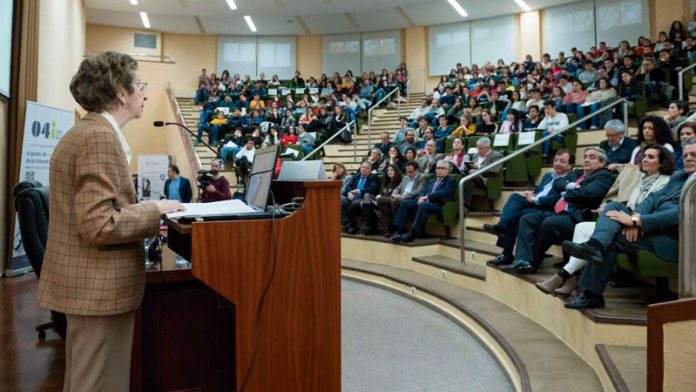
[(494, 229), (502, 259), (351, 229), (389, 234), (397, 237), (583, 251), (408, 237), (583, 301)]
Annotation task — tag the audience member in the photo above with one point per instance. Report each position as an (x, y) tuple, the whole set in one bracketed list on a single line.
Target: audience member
[(618, 147), (652, 226), (543, 198), (631, 187), (581, 192), (361, 184), (219, 188), (177, 187), (437, 192)]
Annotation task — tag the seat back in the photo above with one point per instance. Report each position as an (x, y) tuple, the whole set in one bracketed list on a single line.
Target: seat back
[(31, 203)]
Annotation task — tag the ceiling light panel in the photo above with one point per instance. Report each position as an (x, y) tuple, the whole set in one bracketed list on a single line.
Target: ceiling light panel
[(250, 23), (134, 2), (525, 7), (145, 19), (232, 5), (458, 7)]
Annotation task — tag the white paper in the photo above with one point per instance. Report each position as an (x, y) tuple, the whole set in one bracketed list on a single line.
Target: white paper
[(501, 140), (526, 138), (299, 91), (314, 90), (472, 150), (225, 207), (272, 91)]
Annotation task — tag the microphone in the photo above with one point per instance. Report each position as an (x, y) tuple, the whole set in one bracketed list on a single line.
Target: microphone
[(160, 123)]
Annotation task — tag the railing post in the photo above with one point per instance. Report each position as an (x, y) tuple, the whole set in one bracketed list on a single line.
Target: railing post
[(687, 256), (625, 113), (369, 126), (462, 224), (680, 85)]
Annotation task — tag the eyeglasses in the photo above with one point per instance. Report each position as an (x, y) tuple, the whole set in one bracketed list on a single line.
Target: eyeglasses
[(142, 87)]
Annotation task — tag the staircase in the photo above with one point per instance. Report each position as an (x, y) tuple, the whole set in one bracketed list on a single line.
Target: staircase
[(190, 112), (382, 120)]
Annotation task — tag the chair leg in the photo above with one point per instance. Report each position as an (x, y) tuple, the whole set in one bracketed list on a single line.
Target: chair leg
[(448, 233), (41, 329)]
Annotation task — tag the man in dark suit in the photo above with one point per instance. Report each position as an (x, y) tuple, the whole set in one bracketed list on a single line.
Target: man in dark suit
[(618, 146), (483, 157), (437, 192), (177, 187), (543, 198), (362, 183), (653, 226), (581, 192)]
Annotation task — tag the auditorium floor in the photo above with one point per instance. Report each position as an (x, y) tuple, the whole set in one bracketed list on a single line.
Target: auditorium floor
[(391, 343)]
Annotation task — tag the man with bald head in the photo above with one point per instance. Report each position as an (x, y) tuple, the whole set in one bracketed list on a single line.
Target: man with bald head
[(438, 191)]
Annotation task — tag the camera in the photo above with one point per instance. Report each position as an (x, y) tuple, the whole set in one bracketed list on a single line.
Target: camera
[(204, 178)]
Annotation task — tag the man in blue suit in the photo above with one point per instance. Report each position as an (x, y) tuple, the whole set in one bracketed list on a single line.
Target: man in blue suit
[(436, 193), (519, 204), (361, 185), (581, 191), (653, 226), (177, 187)]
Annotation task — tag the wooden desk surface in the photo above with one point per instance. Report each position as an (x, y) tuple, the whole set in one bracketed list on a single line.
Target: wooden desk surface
[(167, 270)]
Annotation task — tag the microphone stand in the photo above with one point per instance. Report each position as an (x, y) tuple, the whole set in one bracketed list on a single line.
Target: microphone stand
[(211, 148)]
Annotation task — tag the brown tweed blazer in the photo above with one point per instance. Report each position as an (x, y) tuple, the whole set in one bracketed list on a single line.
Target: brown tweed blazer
[(94, 260)]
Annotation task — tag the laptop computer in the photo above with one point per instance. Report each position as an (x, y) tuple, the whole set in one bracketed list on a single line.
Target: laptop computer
[(257, 191)]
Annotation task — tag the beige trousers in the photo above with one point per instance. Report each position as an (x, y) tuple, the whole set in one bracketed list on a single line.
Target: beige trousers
[(98, 353)]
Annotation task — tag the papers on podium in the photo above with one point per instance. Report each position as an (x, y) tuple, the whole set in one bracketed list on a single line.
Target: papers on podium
[(218, 208)]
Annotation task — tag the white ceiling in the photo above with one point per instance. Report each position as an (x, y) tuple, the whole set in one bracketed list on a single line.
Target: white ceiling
[(281, 17)]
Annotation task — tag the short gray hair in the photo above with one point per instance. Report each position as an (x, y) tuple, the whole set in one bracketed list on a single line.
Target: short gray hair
[(444, 163), (616, 125), (690, 141), (484, 140), (602, 154)]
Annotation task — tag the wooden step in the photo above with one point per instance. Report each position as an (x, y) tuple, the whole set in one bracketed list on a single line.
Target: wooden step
[(626, 366), (472, 270)]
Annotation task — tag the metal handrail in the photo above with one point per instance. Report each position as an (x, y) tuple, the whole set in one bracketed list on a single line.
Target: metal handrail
[(680, 84), (197, 165), (369, 114), (687, 236), (335, 135), (516, 153)]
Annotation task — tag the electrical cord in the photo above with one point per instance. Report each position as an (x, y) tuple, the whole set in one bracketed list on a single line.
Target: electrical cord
[(259, 309)]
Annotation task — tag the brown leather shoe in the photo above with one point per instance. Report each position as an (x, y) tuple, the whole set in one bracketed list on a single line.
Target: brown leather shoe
[(550, 284), (568, 287)]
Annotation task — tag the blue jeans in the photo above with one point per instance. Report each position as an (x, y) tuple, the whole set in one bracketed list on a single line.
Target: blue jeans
[(212, 130), (546, 146), (581, 112), (224, 150)]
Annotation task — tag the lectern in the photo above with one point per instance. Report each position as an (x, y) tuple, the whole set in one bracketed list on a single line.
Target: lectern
[(291, 341)]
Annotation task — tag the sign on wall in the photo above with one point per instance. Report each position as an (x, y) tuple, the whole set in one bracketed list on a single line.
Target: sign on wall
[(152, 173), (43, 128)]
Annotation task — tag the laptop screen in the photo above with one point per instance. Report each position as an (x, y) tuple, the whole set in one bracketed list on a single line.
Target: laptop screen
[(261, 177)]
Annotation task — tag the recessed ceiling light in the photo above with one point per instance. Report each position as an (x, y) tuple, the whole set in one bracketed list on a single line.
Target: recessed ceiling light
[(134, 2), (146, 21), (232, 4), (523, 5), (250, 23), (458, 8)]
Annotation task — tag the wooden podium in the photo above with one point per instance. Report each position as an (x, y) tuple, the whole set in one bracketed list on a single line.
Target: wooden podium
[(291, 342)]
